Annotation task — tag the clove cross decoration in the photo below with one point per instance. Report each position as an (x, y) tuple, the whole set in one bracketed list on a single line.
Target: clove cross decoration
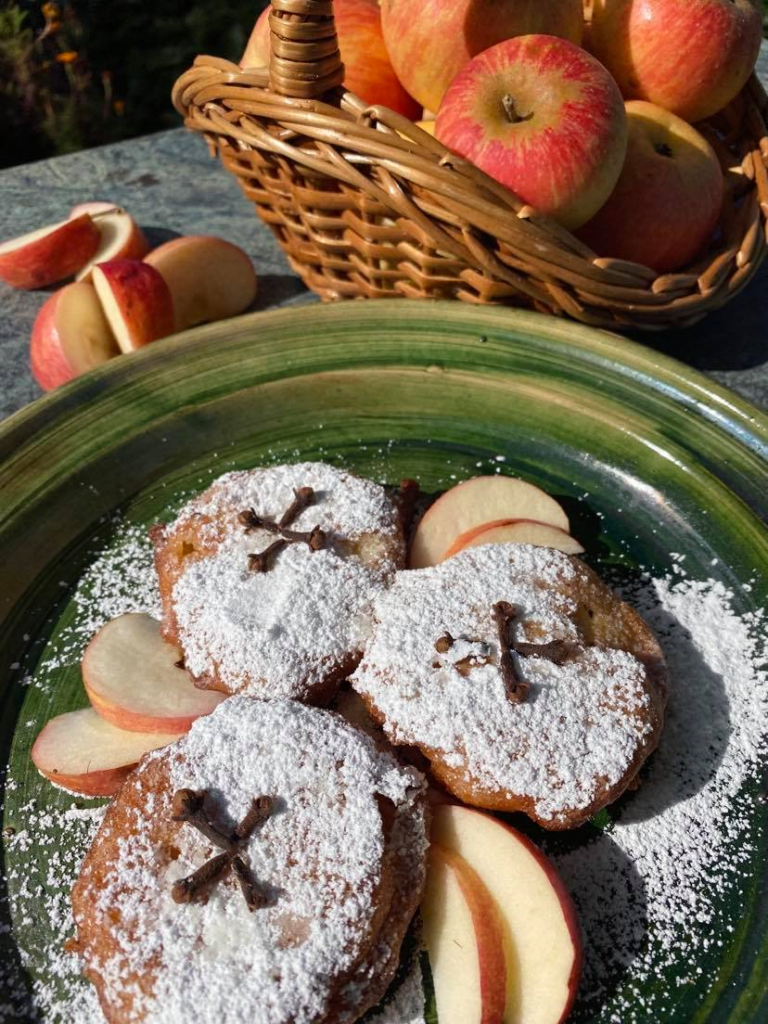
[(315, 539), (504, 615), (189, 806)]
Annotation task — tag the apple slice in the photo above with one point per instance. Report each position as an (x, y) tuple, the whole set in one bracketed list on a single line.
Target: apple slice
[(136, 302), (81, 752), (132, 679), (120, 237), (481, 500), (70, 336), (209, 279), (541, 930), (516, 531), (463, 934), (49, 254)]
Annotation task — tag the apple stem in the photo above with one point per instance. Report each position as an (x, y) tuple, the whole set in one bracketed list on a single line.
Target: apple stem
[(511, 111)]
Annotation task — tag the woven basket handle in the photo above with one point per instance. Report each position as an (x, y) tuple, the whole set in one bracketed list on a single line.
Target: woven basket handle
[(305, 61)]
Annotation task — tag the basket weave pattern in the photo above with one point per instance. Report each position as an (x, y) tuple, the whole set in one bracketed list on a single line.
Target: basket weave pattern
[(365, 204)]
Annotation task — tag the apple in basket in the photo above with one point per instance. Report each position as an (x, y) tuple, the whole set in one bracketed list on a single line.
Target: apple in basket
[(430, 41), (669, 196), (368, 71), (545, 119), (690, 57)]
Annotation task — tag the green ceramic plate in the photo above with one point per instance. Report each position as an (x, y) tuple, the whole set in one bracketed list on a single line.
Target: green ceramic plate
[(648, 457)]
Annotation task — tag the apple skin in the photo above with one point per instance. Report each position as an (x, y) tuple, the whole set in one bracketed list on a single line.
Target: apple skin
[(136, 301), (368, 71), (81, 752), (447, 868), (479, 502), (430, 41), (55, 254), (70, 336), (473, 836), (691, 57), (121, 238), (516, 531), (668, 199), (545, 119), (133, 681)]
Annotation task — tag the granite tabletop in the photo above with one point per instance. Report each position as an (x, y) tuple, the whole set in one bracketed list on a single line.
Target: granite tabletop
[(171, 187)]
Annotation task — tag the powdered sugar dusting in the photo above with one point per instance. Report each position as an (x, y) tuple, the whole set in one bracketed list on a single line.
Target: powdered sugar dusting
[(582, 722), (320, 854), (649, 891), (280, 632)]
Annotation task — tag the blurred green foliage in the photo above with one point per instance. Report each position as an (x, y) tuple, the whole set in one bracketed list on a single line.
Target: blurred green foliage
[(77, 74)]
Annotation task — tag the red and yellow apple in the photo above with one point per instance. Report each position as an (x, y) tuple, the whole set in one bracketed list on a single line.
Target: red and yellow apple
[(516, 531), (689, 56), (368, 71), (133, 680), (481, 502), (208, 278), (668, 198), (540, 929), (70, 336), (120, 236), (465, 942), (136, 302), (49, 254), (430, 41), (82, 752), (545, 119)]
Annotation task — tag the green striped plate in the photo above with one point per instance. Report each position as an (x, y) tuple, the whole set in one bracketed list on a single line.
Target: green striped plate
[(436, 391)]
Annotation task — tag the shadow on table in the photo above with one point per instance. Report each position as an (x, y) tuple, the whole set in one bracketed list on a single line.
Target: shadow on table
[(731, 338)]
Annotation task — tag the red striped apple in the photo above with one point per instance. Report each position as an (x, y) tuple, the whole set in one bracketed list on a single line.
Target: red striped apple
[(465, 942), (541, 930), (133, 680), (136, 302), (70, 336), (668, 199), (430, 41), (209, 279), (120, 236), (516, 531), (543, 118), (85, 754), (368, 71), (689, 56), (49, 254), (479, 502)]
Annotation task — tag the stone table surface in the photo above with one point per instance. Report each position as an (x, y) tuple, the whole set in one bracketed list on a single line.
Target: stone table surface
[(171, 186)]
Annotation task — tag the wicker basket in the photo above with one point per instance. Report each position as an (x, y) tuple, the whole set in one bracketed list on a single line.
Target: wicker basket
[(367, 205)]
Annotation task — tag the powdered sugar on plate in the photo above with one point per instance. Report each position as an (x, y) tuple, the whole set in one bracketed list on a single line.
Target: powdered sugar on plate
[(650, 890)]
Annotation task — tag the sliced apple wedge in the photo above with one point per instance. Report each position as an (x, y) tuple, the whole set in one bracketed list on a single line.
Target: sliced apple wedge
[(49, 254), (463, 935), (132, 679), (136, 302), (481, 500), (82, 752), (517, 531), (70, 336), (540, 927), (209, 279), (120, 237)]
